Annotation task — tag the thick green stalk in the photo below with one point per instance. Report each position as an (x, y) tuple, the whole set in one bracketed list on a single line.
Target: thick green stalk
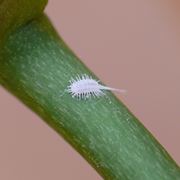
[(36, 66)]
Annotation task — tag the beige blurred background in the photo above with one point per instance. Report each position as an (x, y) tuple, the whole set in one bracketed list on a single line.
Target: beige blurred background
[(131, 44)]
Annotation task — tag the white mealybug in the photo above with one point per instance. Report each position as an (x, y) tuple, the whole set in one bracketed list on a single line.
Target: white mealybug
[(84, 87)]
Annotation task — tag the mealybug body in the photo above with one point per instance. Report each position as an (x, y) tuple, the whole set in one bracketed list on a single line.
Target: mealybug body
[(84, 87)]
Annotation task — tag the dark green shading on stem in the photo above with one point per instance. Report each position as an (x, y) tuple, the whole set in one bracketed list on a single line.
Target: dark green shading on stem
[(14, 13), (36, 65)]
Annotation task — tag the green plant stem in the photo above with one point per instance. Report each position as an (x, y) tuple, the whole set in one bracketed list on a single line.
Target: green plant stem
[(36, 66)]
